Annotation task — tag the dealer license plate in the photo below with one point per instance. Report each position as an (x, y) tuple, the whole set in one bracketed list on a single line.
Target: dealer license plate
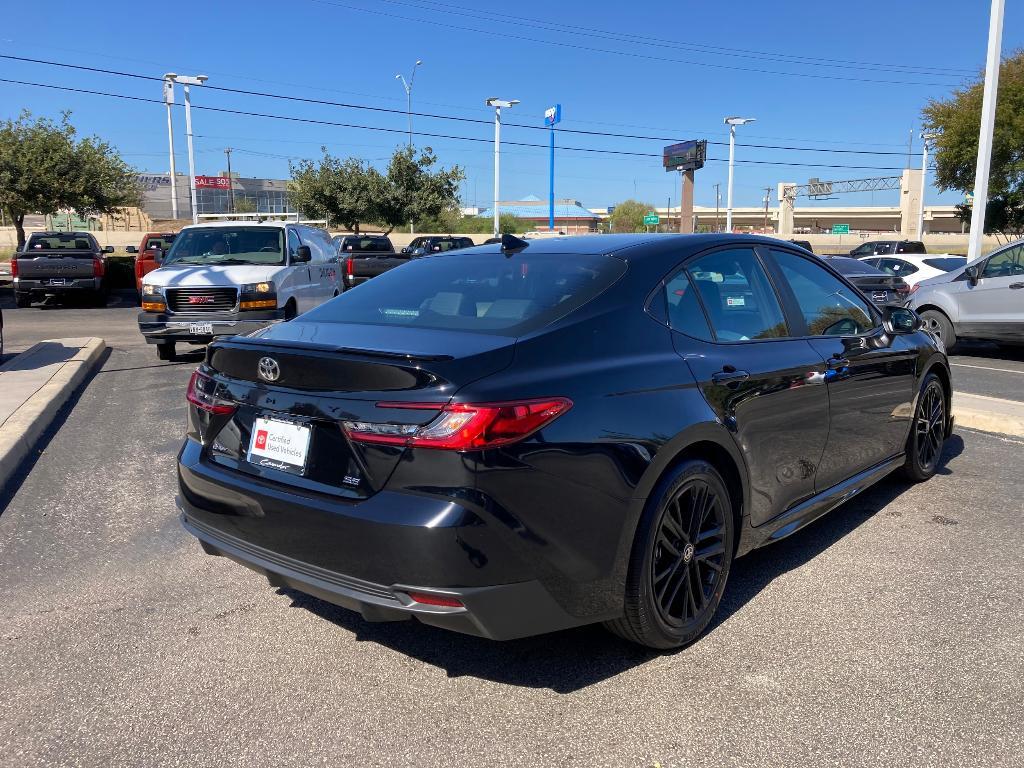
[(200, 329), (279, 444)]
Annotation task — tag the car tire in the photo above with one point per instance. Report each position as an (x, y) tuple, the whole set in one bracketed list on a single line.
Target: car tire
[(290, 310), (928, 430), (936, 323), (165, 351), (22, 300), (680, 559), (100, 299)]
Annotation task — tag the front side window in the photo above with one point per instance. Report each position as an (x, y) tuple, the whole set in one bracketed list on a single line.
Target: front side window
[(227, 245), (293, 244), (736, 296), (829, 306), (1006, 263)]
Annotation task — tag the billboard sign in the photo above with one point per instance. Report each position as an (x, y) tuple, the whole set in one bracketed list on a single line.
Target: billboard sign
[(213, 182), (553, 115), (686, 155)]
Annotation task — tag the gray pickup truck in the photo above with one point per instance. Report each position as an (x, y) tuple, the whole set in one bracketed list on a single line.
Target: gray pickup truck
[(56, 264)]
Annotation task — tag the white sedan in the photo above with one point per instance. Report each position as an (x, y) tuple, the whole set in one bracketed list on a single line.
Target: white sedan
[(915, 267)]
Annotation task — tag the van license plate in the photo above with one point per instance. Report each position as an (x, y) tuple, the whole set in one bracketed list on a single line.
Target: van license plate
[(279, 444), (200, 329)]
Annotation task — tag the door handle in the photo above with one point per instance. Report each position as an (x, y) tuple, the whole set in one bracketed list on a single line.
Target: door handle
[(1016, 286), (835, 363), (731, 376)]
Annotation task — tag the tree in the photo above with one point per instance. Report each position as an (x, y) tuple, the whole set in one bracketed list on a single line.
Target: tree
[(629, 216), (415, 192), (44, 169), (348, 192), (956, 121)]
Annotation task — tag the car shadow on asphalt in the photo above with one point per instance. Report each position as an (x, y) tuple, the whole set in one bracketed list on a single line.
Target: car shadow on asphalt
[(570, 660)]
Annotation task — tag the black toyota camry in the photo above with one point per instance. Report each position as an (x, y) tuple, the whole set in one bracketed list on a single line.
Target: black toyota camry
[(527, 436)]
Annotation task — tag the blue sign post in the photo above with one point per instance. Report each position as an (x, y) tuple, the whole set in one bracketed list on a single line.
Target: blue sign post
[(552, 116)]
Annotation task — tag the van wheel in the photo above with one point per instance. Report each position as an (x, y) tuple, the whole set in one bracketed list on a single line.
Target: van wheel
[(680, 560), (165, 351), (289, 310), (22, 300), (936, 323)]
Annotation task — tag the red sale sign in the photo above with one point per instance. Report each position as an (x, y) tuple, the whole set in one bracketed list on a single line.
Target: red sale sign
[(215, 182)]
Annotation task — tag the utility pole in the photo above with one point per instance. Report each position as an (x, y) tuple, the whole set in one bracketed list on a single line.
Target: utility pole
[(231, 183), (767, 199), (910, 147), (718, 201), (168, 87), (988, 120)]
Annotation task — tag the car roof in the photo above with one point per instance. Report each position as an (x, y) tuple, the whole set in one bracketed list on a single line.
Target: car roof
[(241, 223), (65, 234), (639, 245)]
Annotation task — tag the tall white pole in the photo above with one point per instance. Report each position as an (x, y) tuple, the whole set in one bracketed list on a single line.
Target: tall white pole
[(191, 155), (497, 166), (924, 180), (728, 194), (988, 119), (169, 100)]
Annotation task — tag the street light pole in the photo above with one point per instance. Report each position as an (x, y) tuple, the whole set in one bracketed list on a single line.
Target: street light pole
[(407, 85), (988, 119), (498, 104), (718, 202), (168, 87), (186, 83), (732, 122)]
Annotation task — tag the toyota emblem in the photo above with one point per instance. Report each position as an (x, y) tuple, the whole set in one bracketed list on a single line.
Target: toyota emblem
[(268, 369)]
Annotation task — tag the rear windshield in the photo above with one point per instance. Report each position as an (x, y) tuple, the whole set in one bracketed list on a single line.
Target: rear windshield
[(69, 241), (483, 293), (366, 244), (847, 266), (228, 245), (947, 263)]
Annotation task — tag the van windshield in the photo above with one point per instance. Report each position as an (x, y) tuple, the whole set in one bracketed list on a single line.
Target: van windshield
[(228, 245), (482, 293)]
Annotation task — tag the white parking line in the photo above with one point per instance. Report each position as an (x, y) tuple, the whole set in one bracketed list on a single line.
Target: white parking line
[(985, 368)]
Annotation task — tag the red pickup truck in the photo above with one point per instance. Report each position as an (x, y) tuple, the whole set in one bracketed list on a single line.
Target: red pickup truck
[(151, 252)]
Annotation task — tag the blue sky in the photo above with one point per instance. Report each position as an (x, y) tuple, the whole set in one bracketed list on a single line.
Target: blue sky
[(661, 69)]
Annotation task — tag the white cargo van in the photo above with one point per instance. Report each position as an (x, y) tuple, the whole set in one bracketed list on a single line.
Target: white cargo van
[(229, 278)]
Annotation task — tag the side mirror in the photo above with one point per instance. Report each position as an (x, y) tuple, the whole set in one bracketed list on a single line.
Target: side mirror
[(900, 320), (108, 249), (158, 255), (303, 254), (973, 273), (130, 249)]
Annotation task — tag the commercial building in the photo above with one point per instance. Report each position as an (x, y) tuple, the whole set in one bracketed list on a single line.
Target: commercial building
[(213, 195), (570, 216)]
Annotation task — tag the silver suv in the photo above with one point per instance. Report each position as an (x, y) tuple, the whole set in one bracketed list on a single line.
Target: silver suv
[(983, 300)]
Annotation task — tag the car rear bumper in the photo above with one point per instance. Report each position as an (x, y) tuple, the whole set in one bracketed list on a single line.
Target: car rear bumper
[(160, 327), (45, 286), (368, 556)]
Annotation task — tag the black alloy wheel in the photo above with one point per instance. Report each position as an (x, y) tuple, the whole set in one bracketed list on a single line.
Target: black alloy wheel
[(928, 434), (681, 559)]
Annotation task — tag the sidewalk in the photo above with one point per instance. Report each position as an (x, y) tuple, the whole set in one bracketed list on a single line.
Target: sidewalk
[(33, 387), (989, 414)]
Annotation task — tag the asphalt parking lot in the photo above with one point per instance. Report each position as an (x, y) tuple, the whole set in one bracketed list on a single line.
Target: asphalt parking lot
[(888, 633)]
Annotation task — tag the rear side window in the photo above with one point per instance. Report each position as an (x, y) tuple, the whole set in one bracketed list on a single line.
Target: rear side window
[(485, 293), (736, 296), (947, 263), (897, 267), (911, 246), (828, 305), (684, 311)]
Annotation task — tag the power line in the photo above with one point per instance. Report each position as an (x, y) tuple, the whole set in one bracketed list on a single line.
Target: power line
[(334, 124), (429, 115), (481, 14), (631, 54)]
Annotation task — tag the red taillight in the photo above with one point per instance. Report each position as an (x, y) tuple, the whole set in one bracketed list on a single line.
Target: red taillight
[(97, 268), (348, 267), (424, 598), (463, 426), (201, 394), (14, 267)]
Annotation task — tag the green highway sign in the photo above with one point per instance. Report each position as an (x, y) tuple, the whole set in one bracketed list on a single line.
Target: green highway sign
[(840, 229), (651, 219)]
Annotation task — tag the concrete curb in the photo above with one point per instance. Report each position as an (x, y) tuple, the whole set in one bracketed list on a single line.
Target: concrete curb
[(989, 414), (24, 427)]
